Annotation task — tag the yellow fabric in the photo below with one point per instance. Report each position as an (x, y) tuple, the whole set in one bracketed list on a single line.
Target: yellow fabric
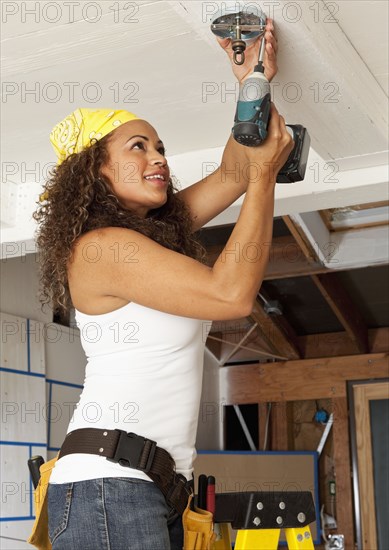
[(39, 536), (75, 132), (198, 528)]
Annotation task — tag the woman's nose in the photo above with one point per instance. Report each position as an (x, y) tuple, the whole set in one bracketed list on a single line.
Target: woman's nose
[(158, 157)]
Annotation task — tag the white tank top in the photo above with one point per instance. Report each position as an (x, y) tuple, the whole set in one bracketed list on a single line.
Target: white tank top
[(144, 375)]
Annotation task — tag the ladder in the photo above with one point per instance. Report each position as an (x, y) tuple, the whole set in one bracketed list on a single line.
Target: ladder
[(259, 518)]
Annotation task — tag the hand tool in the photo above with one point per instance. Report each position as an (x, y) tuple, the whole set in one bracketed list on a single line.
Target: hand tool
[(34, 463), (202, 492), (211, 494)]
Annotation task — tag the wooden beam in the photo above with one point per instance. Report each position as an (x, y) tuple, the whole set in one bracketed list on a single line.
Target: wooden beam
[(344, 308), (344, 497), (326, 344), (378, 340), (298, 380), (332, 344), (277, 333), (301, 239)]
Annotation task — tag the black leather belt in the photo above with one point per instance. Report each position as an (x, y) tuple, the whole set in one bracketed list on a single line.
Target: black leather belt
[(134, 451)]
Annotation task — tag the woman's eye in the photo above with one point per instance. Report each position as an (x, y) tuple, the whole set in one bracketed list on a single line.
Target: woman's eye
[(161, 149), (138, 143)]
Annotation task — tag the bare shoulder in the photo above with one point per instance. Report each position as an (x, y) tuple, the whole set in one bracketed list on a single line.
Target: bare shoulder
[(94, 246), (84, 276), (115, 265)]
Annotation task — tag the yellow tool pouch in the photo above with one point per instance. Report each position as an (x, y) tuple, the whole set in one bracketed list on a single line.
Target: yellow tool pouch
[(40, 530), (198, 528)]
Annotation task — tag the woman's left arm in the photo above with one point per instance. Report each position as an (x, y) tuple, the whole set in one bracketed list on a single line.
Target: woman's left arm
[(210, 196)]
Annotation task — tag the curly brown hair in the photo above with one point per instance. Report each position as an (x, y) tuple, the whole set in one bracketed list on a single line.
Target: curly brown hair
[(79, 198)]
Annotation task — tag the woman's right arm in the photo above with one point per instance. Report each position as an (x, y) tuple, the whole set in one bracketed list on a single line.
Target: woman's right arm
[(133, 267)]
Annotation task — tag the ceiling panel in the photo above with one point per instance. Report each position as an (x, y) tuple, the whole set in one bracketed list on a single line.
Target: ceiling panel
[(365, 23), (158, 54)]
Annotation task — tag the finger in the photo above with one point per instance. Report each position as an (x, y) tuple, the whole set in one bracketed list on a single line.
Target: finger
[(271, 36), (271, 39), (270, 64), (224, 42), (270, 28), (274, 121), (271, 56), (283, 126)]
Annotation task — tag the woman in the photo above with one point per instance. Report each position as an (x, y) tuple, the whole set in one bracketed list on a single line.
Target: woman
[(116, 242)]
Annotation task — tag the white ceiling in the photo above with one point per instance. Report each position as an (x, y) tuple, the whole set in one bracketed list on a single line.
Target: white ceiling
[(158, 58)]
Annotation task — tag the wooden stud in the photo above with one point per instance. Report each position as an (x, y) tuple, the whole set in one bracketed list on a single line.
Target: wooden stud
[(344, 498), (262, 417), (279, 427)]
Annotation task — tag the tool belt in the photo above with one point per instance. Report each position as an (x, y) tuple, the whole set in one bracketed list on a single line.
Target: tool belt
[(134, 451)]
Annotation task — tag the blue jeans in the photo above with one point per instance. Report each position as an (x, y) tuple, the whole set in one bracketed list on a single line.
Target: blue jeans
[(111, 514)]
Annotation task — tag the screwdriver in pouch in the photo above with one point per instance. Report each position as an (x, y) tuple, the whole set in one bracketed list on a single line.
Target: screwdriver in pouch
[(202, 492), (34, 463)]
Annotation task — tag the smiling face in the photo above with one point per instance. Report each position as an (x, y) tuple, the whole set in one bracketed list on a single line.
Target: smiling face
[(135, 152)]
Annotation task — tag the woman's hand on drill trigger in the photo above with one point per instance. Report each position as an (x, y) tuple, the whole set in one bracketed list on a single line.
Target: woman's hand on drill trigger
[(275, 150), (251, 54)]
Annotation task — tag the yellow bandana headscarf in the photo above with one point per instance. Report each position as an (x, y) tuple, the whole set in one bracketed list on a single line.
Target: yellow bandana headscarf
[(75, 132)]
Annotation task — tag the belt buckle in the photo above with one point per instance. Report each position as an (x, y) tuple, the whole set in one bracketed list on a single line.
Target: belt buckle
[(129, 451)]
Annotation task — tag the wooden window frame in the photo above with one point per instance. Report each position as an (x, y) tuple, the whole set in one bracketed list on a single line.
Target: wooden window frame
[(360, 394)]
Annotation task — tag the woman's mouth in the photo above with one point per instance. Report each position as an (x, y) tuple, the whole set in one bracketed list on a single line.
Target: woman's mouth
[(156, 180)]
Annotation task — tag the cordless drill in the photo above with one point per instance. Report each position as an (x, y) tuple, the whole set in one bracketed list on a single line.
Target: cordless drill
[(252, 118)]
